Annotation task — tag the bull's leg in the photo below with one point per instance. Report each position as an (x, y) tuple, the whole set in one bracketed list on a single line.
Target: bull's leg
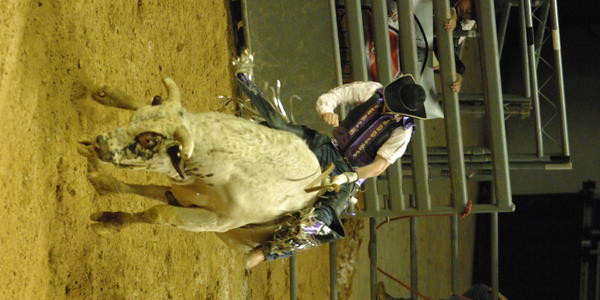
[(117, 98), (191, 219), (105, 184), (86, 149)]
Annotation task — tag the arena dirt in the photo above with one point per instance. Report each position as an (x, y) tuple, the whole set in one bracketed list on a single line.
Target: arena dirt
[(51, 54)]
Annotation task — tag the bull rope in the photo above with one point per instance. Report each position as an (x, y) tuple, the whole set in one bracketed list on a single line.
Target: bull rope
[(463, 214), (306, 177)]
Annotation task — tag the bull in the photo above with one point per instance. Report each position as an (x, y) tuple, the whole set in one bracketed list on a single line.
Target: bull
[(228, 174)]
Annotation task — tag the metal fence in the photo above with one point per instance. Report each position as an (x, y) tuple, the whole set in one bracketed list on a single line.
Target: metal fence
[(385, 196)]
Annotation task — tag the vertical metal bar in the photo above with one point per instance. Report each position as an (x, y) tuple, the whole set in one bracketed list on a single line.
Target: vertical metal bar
[(559, 77), (333, 293), (357, 40), (533, 74), (541, 30), (583, 280), (336, 42), (586, 246), (394, 174), (410, 65), (451, 105), (420, 167), (384, 75), (597, 280), (338, 70), (293, 278), (494, 254), (524, 56), (455, 254), (495, 109), (503, 26), (414, 267), (373, 256), (372, 196), (247, 39), (382, 42), (359, 72)]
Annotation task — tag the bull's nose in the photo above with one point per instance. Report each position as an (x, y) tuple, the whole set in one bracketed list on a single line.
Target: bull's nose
[(102, 149), (100, 140)]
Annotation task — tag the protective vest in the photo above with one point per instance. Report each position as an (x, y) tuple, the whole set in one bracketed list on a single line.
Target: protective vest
[(366, 129)]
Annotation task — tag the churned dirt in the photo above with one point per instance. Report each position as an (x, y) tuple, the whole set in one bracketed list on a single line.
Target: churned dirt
[(52, 53)]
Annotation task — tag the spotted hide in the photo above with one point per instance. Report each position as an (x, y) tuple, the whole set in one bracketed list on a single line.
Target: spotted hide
[(227, 173)]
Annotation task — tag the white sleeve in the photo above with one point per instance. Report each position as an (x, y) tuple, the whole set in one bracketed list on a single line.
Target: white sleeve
[(350, 93), (396, 145)]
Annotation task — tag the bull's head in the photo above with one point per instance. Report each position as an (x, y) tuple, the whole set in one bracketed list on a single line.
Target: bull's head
[(157, 138)]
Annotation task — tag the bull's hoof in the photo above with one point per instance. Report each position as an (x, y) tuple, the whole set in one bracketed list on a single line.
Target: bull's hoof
[(104, 229), (104, 95), (114, 97), (86, 149), (116, 217), (109, 221)]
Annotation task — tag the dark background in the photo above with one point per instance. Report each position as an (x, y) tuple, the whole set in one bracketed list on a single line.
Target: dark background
[(540, 243)]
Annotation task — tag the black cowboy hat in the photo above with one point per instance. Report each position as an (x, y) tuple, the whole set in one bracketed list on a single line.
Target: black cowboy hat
[(404, 96)]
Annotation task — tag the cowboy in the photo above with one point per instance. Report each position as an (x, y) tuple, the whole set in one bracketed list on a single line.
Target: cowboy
[(371, 138)]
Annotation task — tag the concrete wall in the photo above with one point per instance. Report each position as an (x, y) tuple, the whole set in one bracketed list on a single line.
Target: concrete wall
[(296, 47)]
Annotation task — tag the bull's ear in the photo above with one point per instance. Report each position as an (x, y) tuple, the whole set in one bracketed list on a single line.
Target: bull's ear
[(182, 135), (174, 94)]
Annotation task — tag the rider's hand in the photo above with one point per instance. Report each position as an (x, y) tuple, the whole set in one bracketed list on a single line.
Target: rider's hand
[(344, 178), (331, 119), (254, 258)]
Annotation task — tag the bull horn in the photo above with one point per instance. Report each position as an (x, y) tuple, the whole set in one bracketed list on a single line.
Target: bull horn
[(174, 153), (182, 135), (174, 94)]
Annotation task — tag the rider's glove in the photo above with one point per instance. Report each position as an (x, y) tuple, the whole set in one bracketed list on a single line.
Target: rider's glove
[(345, 177)]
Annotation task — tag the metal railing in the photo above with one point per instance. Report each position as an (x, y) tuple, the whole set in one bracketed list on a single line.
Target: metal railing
[(498, 155), (385, 195), (542, 75)]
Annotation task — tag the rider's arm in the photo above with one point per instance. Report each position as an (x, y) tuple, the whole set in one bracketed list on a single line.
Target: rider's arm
[(387, 154), (350, 93), (396, 145), (378, 166)]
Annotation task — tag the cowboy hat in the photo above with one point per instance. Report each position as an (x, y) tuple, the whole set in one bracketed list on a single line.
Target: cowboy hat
[(404, 96)]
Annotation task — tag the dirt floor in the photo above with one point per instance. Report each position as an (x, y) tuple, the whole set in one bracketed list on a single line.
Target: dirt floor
[(51, 54)]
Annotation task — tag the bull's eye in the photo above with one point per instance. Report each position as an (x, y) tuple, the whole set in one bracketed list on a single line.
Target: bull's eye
[(148, 139)]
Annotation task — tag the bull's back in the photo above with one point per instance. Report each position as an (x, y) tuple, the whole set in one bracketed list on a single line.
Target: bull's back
[(259, 173)]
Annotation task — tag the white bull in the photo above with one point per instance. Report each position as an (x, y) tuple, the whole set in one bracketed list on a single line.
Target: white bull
[(227, 172)]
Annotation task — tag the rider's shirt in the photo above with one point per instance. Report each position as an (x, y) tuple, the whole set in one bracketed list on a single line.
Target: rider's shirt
[(397, 132)]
